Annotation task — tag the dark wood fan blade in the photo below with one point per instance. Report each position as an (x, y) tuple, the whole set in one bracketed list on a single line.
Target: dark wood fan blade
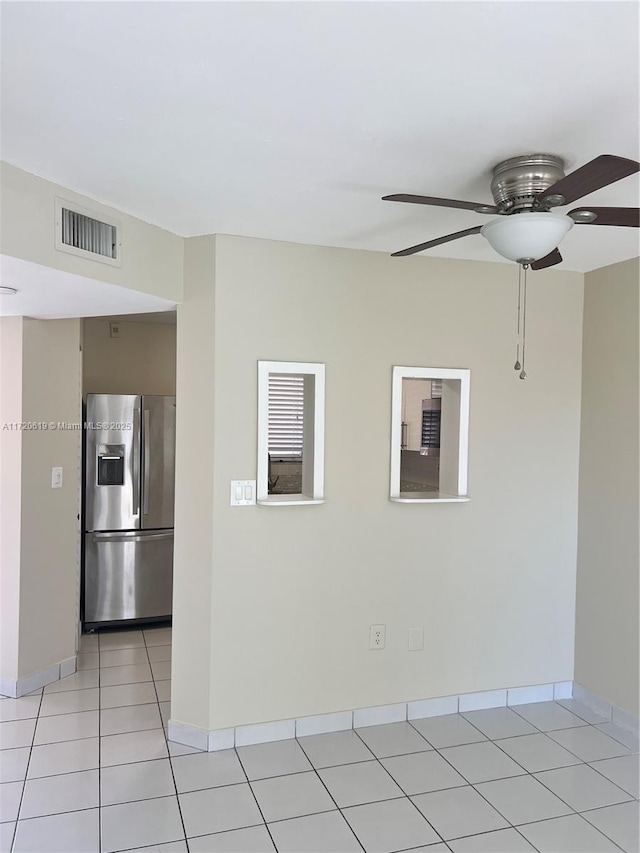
[(549, 260), (441, 202), (626, 216), (431, 243), (604, 170)]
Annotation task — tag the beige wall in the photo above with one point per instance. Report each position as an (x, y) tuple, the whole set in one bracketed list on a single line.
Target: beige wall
[(141, 361), (151, 257), (294, 589), (47, 568), (10, 488), (193, 548), (607, 632)]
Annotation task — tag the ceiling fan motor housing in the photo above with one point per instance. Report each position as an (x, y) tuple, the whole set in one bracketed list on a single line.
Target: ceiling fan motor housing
[(517, 181)]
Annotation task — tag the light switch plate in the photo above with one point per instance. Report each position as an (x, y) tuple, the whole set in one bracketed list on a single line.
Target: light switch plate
[(243, 493), (56, 478)]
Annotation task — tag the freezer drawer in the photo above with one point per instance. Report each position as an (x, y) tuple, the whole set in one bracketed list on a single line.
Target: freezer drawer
[(127, 575)]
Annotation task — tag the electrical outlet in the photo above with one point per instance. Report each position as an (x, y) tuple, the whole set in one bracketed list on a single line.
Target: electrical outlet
[(377, 636)]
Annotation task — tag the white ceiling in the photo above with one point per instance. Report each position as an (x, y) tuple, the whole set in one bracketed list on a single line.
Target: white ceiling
[(46, 293), (289, 121)]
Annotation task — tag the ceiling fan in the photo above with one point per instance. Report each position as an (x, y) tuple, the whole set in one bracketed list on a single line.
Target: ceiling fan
[(525, 189)]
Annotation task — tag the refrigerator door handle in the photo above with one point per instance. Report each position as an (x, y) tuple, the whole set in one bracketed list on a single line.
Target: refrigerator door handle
[(146, 439), (135, 537), (135, 467)]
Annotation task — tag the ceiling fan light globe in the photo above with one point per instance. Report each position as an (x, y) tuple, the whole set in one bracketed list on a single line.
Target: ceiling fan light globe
[(526, 235)]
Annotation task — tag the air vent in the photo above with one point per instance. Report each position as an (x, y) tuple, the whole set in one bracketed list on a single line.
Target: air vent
[(89, 234), (80, 232)]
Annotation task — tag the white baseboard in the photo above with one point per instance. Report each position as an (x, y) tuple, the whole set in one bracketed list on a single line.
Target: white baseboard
[(358, 718), (432, 707), (324, 723), (15, 689), (189, 735), (524, 695), (480, 701), (68, 666), (563, 690), (613, 714), (221, 739), (600, 706), (265, 732), (379, 715), (625, 720)]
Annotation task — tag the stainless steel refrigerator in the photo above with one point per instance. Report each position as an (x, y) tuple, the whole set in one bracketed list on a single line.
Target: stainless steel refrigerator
[(128, 508)]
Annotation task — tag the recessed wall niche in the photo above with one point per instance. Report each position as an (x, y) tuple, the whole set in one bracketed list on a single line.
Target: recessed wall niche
[(429, 434), (290, 433)]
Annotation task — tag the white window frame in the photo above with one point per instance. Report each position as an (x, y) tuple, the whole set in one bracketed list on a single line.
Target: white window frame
[(454, 442), (313, 445)]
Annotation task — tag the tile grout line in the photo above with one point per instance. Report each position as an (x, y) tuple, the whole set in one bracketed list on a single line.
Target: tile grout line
[(586, 708), (585, 764), (39, 716), (491, 805), (511, 824), (574, 812), (469, 784), (546, 733), (387, 799), (561, 817), (516, 827), (396, 781), (26, 774), (599, 808), (165, 735), (597, 761), (581, 762), (404, 795), (253, 794), (553, 740), (100, 845), (333, 800), (99, 747), (89, 808), (632, 750), (538, 730)]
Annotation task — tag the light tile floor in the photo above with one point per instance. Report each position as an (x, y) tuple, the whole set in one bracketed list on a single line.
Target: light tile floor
[(85, 768)]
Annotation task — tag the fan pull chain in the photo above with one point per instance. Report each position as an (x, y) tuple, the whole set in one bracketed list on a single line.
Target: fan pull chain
[(517, 365), (525, 267)]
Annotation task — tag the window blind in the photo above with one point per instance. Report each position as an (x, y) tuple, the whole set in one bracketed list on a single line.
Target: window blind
[(430, 428), (286, 415)]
